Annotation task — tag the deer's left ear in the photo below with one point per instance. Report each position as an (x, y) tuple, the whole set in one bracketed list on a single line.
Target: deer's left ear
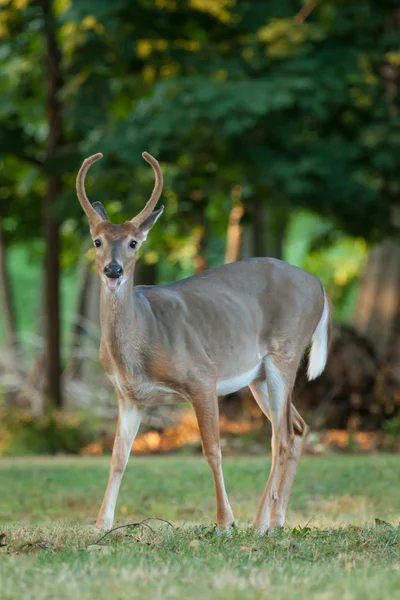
[(99, 208), (148, 223)]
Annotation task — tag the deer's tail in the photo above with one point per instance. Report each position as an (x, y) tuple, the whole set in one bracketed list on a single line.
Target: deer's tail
[(320, 342)]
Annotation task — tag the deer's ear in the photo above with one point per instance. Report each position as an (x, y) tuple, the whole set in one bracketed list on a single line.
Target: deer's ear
[(99, 208), (148, 223)]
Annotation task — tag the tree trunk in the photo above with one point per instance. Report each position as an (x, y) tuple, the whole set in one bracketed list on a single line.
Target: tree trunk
[(8, 304), (378, 302), (74, 368), (258, 223), (270, 222), (268, 226), (234, 231), (200, 262), (51, 224), (92, 371)]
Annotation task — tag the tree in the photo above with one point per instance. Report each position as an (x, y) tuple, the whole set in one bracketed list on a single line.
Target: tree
[(228, 95), (377, 315), (54, 188)]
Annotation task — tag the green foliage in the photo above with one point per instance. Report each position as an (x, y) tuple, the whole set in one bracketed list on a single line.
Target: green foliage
[(234, 94), (313, 244), (23, 433), (392, 427)]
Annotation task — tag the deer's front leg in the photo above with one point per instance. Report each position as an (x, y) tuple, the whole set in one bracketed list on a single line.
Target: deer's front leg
[(129, 417), (207, 413)]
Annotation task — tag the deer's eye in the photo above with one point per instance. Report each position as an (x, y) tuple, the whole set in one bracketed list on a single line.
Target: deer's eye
[(97, 243), (132, 244)]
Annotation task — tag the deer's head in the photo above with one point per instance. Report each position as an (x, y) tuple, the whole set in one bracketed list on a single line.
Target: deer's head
[(116, 245)]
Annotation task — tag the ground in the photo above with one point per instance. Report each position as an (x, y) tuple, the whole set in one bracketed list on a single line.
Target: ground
[(331, 548)]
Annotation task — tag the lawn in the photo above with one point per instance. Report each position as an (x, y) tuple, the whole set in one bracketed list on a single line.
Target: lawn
[(331, 548)]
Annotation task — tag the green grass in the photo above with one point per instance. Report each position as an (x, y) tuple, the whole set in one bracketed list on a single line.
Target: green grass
[(52, 504)]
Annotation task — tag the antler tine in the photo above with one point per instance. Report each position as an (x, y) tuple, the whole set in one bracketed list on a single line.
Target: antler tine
[(93, 216), (158, 186)]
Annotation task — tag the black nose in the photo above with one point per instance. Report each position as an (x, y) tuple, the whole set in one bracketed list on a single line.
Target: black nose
[(113, 270)]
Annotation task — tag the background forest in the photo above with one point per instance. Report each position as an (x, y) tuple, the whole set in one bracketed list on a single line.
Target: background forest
[(278, 134)]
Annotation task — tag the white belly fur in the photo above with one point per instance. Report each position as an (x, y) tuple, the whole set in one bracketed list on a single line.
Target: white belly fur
[(228, 386), (145, 390)]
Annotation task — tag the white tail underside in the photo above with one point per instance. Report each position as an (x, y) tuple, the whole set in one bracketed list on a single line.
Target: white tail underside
[(319, 345)]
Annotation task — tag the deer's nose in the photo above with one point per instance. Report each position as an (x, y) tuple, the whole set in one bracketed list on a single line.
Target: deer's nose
[(113, 270)]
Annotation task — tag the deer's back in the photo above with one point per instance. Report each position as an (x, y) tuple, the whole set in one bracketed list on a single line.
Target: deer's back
[(240, 311)]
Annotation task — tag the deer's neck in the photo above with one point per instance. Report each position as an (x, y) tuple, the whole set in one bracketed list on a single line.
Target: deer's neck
[(119, 322)]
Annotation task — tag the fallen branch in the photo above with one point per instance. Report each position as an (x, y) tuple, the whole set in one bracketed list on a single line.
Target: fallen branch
[(142, 523)]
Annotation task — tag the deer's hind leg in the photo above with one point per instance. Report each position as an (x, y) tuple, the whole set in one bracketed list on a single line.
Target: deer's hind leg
[(274, 398), (289, 472)]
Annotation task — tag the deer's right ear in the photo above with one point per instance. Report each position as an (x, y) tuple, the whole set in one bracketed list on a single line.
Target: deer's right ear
[(148, 223), (99, 208)]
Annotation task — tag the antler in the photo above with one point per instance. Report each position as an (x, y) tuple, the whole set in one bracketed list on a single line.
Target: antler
[(93, 216), (158, 186)]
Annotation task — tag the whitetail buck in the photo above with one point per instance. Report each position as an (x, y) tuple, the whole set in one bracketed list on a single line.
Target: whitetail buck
[(243, 324)]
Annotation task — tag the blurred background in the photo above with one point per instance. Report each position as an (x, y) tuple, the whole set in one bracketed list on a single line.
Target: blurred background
[(277, 125)]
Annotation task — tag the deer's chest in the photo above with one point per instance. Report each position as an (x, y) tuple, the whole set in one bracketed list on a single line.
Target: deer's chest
[(127, 373), (125, 358), (131, 382)]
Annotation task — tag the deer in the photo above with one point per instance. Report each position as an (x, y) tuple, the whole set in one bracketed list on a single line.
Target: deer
[(247, 323)]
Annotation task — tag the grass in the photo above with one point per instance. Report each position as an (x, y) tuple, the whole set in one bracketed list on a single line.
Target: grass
[(331, 548)]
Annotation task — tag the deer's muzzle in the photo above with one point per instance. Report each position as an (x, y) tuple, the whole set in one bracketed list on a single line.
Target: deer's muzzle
[(113, 270)]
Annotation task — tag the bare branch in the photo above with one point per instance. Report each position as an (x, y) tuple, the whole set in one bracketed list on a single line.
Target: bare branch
[(142, 523), (305, 12)]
